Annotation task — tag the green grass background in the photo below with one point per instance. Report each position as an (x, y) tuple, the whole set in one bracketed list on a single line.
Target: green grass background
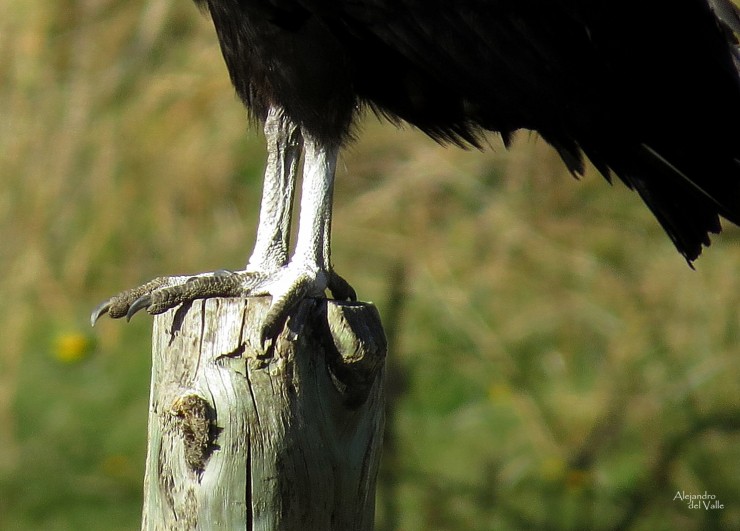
[(554, 364)]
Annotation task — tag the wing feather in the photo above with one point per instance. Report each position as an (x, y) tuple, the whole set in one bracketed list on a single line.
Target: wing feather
[(648, 91)]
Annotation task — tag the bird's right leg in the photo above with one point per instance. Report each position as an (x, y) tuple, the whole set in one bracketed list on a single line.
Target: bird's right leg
[(271, 250), (284, 144), (268, 271)]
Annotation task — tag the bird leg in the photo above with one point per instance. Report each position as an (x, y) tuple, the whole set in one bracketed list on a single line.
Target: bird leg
[(269, 272), (284, 143), (309, 271)]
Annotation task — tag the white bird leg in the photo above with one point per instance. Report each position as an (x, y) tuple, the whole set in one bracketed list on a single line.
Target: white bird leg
[(309, 271), (269, 272), (313, 243), (284, 143)]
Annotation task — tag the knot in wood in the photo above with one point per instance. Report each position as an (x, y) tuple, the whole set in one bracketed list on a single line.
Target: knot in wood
[(196, 422)]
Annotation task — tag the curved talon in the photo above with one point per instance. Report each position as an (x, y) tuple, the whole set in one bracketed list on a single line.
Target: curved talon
[(100, 310), (340, 288), (288, 286), (141, 303), (281, 306)]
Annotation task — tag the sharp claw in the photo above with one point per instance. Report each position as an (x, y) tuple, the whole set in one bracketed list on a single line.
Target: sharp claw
[(340, 288), (99, 310), (269, 333), (281, 306), (141, 303), (164, 293)]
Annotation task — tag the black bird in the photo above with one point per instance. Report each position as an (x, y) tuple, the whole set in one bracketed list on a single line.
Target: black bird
[(648, 91)]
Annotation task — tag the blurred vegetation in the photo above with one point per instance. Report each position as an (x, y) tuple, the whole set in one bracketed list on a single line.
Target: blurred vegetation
[(554, 363)]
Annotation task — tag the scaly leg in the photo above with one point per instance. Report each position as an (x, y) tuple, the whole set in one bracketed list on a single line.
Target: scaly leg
[(268, 272), (284, 144), (309, 271)]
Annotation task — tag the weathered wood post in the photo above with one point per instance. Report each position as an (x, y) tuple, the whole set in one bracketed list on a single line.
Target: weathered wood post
[(284, 439)]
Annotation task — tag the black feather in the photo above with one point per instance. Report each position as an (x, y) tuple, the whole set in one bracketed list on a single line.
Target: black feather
[(648, 91)]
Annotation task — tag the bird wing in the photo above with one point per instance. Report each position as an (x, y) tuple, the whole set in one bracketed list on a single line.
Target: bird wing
[(649, 91), (466, 48)]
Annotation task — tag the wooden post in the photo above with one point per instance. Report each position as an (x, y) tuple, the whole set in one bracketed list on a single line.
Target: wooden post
[(278, 440)]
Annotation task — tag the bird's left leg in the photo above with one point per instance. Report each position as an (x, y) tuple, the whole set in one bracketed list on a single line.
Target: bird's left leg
[(271, 247), (310, 271)]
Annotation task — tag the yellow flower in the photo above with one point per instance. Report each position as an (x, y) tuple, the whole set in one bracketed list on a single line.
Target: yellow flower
[(71, 347)]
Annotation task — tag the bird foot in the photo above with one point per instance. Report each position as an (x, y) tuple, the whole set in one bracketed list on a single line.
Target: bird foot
[(287, 285)]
